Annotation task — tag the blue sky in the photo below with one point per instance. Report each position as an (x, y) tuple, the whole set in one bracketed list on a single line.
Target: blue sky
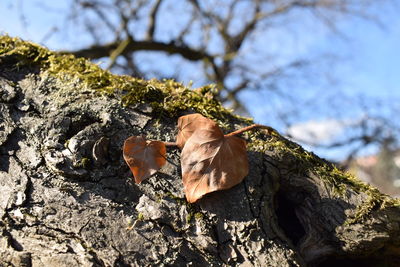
[(369, 55)]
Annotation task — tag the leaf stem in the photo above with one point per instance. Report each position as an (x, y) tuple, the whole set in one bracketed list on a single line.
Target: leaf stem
[(170, 143), (248, 128)]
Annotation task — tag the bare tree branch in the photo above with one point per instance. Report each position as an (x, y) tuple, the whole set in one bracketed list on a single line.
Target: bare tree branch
[(236, 41), (152, 20), (99, 12), (99, 51)]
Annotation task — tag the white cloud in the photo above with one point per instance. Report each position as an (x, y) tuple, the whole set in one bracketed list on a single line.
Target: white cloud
[(317, 132)]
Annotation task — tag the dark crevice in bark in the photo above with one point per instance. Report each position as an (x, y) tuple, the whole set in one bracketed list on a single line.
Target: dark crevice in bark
[(12, 242), (119, 262), (9, 147), (84, 120), (287, 218), (219, 243)]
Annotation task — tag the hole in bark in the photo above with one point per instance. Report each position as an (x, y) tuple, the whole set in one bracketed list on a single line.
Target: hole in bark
[(79, 122), (287, 218), (9, 147)]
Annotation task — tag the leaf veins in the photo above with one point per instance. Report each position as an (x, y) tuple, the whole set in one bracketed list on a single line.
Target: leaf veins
[(188, 124), (143, 157), (211, 161)]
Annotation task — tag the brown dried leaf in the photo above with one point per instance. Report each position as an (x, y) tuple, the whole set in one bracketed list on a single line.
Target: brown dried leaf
[(143, 157), (188, 124), (211, 162)]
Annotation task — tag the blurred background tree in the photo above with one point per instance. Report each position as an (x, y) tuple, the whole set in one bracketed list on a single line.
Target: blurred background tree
[(255, 52)]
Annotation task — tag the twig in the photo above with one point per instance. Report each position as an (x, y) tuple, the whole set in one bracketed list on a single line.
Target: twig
[(248, 128), (170, 144)]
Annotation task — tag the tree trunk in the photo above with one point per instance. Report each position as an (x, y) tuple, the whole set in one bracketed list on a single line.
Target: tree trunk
[(67, 198)]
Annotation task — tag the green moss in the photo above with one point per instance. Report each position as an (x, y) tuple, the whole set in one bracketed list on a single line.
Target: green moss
[(305, 162), (83, 163), (189, 217), (181, 201), (192, 210), (23, 53), (375, 201), (193, 214), (199, 216), (302, 160), (168, 98), (140, 217)]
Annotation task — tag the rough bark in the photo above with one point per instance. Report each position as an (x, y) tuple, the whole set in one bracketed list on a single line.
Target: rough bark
[(67, 197)]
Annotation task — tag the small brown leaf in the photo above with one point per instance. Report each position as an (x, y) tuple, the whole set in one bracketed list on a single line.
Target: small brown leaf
[(143, 157), (188, 124), (210, 162)]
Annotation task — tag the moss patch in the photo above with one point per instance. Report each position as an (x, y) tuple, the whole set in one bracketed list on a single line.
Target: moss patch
[(83, 163), (140, 217), (167, 98), (307, 162)]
